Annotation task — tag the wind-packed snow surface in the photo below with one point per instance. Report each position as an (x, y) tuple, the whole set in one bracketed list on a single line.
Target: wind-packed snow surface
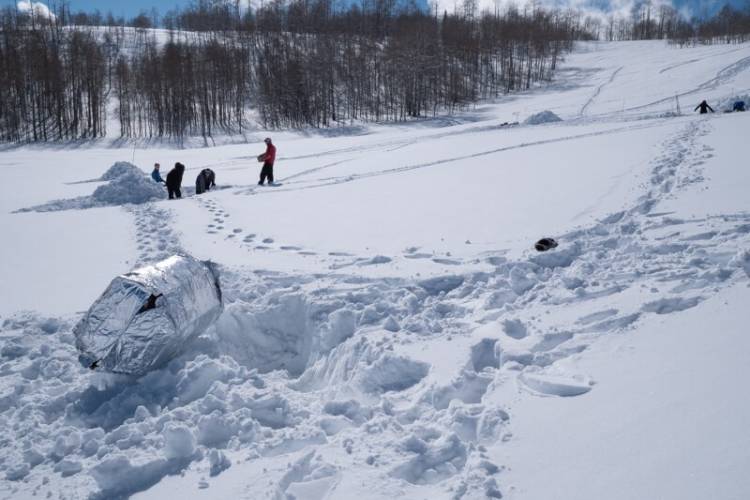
[(389, 331)]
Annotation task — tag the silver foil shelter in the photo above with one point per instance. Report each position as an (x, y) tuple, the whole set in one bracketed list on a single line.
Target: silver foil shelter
[(146, 316)]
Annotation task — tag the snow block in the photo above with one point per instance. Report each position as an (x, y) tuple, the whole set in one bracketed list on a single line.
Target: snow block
[(146, 316)]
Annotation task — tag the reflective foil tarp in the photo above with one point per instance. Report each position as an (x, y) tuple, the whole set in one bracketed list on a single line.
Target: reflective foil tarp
[(146, 317)]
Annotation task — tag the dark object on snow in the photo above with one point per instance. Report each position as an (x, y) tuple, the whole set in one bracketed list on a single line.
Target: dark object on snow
[(739, 106), (267, 158), (150, 303), (174, 181), (205, 181), (545, 244), (147, 316), (704, 107)]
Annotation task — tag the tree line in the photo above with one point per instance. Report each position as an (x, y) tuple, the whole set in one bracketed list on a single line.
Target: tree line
[(52, 82), (217, 68)]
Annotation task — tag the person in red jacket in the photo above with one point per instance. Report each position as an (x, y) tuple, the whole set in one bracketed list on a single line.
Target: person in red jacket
[(267, 158)]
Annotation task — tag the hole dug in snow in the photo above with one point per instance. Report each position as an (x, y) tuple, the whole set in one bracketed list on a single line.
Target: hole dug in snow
[(273, 336)]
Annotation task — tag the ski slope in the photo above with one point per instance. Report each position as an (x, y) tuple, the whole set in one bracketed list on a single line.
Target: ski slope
[(389, 331)]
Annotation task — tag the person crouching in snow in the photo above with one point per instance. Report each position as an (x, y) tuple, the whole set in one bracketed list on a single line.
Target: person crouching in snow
[(704, 107), (205, 181), (155, 175), (267, 158), (174, 181)]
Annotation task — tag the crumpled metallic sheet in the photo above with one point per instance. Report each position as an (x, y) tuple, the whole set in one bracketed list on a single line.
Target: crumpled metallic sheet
[(121, 335)]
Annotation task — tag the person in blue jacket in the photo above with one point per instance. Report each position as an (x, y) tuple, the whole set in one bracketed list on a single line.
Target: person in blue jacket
[(155, 175)]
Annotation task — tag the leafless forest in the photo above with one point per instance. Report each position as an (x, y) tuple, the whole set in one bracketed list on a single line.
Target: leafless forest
[(213, 68)]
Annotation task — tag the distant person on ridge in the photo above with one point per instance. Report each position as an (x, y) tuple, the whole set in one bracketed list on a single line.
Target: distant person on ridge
[(704, 107), (205, 181), (155, 175), (267, 158), (174, 181)]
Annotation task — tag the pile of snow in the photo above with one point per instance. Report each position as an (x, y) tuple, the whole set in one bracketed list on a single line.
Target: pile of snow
[(127, 184), (542, 117), (130, 187), (118, 169)]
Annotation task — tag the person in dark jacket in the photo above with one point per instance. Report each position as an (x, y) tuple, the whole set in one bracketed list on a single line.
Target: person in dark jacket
[(704, 107), (738, 106), (205, 181), (174, 181), (155, 175), (267, 158)]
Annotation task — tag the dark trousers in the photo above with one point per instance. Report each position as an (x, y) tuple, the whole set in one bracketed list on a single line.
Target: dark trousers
[(266, 173), (174, 192)]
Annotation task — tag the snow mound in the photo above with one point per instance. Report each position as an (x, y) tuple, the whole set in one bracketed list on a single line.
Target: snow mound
[(130, 187), (542, 117), (127, 184), (118, 169)]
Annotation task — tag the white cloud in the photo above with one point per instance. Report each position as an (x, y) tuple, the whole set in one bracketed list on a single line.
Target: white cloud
[(600, 9), (38, 9)]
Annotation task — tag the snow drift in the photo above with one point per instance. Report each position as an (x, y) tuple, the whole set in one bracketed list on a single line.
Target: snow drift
[(146, 316)]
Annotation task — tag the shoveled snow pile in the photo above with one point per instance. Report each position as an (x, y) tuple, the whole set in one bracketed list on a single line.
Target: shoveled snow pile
[(118, 169), (130, 187), (127, 185), (542, 117)]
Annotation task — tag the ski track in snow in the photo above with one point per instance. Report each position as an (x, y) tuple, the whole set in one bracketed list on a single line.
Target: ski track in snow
[(318, 375), (599, 90)]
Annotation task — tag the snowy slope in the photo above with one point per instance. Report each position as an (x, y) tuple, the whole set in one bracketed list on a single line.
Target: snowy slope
[(389, 332)]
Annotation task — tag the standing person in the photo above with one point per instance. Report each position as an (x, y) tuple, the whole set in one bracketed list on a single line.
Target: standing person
[(704, 107), (205, 181), (174, 181), (267, 158), (155, 175)]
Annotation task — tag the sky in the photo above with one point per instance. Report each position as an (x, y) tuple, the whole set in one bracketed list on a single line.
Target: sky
[(131, 8)]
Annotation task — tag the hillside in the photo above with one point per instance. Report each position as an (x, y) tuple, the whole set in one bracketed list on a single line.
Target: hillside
[(389, 331)]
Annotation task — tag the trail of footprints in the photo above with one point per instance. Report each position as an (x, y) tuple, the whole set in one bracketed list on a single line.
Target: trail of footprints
[(155, 238), (221, 225)]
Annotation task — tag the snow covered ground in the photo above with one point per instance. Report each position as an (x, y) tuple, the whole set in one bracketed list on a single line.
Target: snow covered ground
[(389, 331)]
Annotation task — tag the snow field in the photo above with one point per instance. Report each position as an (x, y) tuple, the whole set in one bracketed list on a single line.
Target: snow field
[(387, 331)]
